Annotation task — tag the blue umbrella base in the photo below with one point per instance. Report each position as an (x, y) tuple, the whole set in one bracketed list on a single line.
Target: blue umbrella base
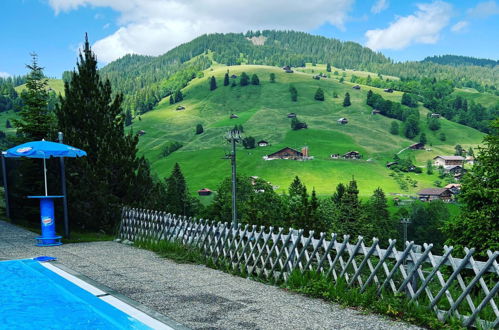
[(49, 241)]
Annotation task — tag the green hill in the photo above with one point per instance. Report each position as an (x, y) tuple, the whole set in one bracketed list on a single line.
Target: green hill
[(57, 85), (262, 111)]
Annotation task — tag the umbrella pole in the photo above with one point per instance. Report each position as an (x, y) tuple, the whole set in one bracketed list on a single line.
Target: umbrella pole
[(45, 176)]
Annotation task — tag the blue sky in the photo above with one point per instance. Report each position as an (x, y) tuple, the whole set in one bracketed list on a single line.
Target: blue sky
[(402, 30)]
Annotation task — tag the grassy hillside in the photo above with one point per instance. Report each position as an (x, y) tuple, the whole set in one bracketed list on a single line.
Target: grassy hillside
[(55, 84), (486, 99), (262, 111)]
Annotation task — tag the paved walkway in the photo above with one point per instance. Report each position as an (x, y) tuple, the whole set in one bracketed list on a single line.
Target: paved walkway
[(194, 295)]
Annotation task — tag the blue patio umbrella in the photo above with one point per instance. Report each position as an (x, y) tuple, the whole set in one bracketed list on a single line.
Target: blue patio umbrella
[(44, 149)]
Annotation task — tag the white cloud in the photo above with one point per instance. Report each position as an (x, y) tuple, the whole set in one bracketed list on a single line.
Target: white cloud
[(460, 26), (4, 74), (379, 6), (152, 27), (484, 10), (423, 27)]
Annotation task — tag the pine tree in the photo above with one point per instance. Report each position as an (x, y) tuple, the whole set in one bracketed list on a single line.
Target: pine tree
[(226, 79), (346, 100), (178, 96), (294, 93), (109, 177), (477, 225), (422, 138), (255, 80), (379, 223), (350, 213), (429, 167), (213, 83), (319, 94), (459, 151), (128, 117), (272, 77), (177, 196), (244, 80), (36, 122), (338, 194), (297, 188), (199, 129), (369, 97), (172, 100), (328, 67), (411, 128), (8, 124), (470, 152)]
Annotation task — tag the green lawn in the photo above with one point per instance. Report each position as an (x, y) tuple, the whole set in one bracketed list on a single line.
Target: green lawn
[(56, 84), (262, 111)]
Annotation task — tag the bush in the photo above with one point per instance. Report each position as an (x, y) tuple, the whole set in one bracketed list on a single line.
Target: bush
[(171, 147)]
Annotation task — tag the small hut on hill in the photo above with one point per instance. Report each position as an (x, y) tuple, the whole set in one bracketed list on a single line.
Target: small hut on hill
[(233, 116), (342, 121)]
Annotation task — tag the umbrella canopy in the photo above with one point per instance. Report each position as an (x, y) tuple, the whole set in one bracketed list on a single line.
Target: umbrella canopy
[(43, 149)]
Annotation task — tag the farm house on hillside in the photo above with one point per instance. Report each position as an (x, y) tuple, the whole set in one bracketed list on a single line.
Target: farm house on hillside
[(342, 121), (204, 192), (388, 90), (291, 115), (447, 161), (262, 143), (289, 153), (356, 87), (233, 116), (352, 155), (417, 146), (430, 194)]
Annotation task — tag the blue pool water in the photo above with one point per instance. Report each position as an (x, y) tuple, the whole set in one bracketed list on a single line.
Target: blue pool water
[(33, 297)]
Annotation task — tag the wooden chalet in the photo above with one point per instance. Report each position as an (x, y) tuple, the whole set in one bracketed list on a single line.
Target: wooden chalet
[(342, 121), (286, 153), (455, 188), (141, 132), (233, 116), (455, 169), (286, 68), (390, 164), (356, 87), (417, 146), (470, 160), (447, 161), (435, 115), (375, 112), (352, 155), (317, 77), (292, 115), (180, 107), (388, 90), (431, 194), (335, 156), (204, 192), (300, 125), (262, 143)]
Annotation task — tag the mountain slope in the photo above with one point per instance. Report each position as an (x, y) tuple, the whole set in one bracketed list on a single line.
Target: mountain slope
[(262, 111), (456, 60)]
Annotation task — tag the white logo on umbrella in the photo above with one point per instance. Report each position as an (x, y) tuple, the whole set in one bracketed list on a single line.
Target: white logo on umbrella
[(23, 150)]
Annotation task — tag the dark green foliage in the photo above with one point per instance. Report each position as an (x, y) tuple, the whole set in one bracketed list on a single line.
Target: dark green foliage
[(378, 221), (434, 124), (346, 100), (199, 129), (244, 80), (8, 124), (411, 127), (328, 67), (238, 128), (390, 109), (349, 218), (394, 128), (369, 100), (409, 100), (36, 121), (422, 138), (128, 118), (405, 165), (213, 83), (478, 225), (255, 80), (429, 167), (226, 79), (459, 151), (297, 188), (442, 137), (272, 77), (319, 94), (294, 93), (177, 196), (249, 142), (456, 60), (170, 148), (338, 194), (296, 124), (112, 174), (470, 152), (335, 95)]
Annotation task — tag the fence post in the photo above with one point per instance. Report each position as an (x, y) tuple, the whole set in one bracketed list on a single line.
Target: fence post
[(410, 266)]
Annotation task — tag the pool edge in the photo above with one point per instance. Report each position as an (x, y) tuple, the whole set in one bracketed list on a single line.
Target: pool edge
[(113, 293)]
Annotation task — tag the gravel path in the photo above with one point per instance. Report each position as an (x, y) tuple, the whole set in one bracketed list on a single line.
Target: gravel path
[(194, 295)]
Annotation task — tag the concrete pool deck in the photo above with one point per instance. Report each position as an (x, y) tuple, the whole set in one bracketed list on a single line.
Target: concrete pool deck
[(193, 295)]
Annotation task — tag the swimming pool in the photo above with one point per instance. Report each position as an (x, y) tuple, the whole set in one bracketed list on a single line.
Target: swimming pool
[(41, 296)]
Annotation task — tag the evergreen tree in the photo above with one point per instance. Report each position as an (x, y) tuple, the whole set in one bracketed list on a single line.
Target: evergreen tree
[(272, 77), (255, 80), (380, 225), (294, 93), (477, 226), (199, 129), (394, 128), (369, 98), (213, 83), (111, 175), (36, 122), (128, 118), (408, 99), (177, 196), (411, 128), (172, 100), (346, 100), (349, 218), (328, 67), (422, 138), (470, 152), (338, 194), (8, 124), (178, 96), (458, 150), (429, 167), (442, 137), (226, 79), (335, 95), (249, 142), (244, 80), (297, 188), (319, 94), (434, 124)]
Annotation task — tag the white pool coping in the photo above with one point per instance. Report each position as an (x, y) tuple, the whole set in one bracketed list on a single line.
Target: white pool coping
[(110, 299)]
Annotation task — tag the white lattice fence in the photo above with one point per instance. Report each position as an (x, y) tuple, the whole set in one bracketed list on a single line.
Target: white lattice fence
[(465, 288)]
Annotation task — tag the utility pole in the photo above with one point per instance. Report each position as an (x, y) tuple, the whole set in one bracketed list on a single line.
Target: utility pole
[(233, 137), (405, 222), (63, 187)]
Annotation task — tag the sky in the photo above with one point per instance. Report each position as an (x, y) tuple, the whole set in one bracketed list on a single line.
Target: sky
[(403, 30)]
